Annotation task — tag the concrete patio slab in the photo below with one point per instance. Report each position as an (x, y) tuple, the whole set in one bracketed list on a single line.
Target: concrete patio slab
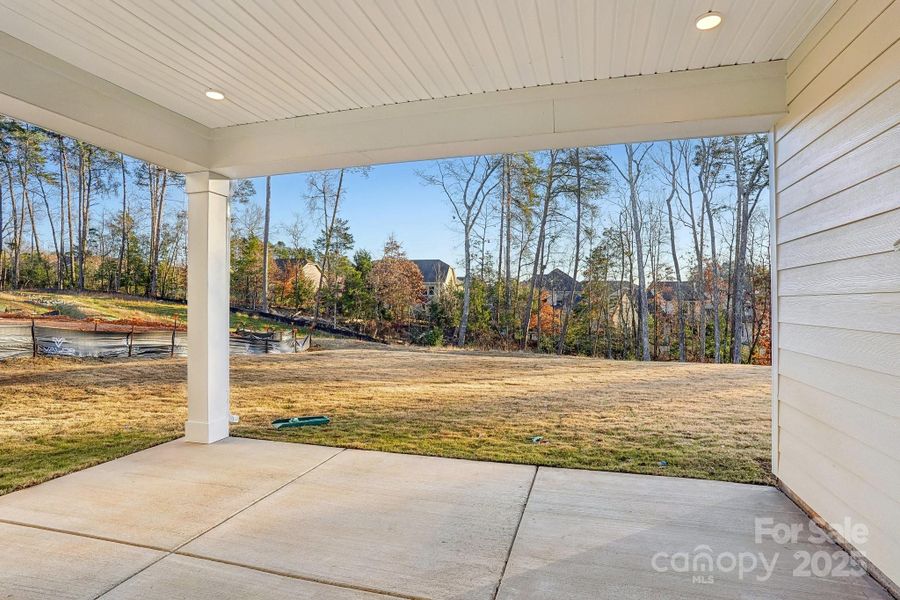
[(410, 525), (36, 564), (609, 535), (185, 578), (164, 496), (271, 520)]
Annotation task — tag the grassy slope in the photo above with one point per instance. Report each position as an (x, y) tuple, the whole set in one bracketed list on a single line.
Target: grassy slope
[(95, 305), (707, 421)]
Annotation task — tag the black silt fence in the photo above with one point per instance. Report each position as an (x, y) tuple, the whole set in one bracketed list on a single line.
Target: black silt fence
[(15, 340), (31, 339)]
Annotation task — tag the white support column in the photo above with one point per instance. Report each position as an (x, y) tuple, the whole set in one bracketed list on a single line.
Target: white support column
[(774, 301), (208, 301)]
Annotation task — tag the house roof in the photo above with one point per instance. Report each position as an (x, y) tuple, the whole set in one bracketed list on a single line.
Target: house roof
[(617, 287), (282, 263), (669, 289), (433, 269), (559, 281)]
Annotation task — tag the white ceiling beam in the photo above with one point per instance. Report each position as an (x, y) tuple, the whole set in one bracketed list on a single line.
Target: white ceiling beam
[(719, 101), (42, 89)]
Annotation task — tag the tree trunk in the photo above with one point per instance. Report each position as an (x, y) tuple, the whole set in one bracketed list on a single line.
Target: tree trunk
[(61, 267), (123, 242), (35, 239), (467, 291), (548, 193), (540, 301), (571, 304), (159, 183), (716, 300), (52, 228), (508, 206), (16, 238), (523, 244), (503, 222), (697, 235), (83, 174), (329, 229), (633, 175), (70, 262), (679, 295), (740, 253), (265, 266)]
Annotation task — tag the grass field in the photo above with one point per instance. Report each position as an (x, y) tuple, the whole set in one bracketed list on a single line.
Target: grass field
[(707, 421), (113, 307)]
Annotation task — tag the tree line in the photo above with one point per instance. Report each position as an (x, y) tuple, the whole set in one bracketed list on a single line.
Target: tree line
[(642, 251), (667, 241), (70, 187)]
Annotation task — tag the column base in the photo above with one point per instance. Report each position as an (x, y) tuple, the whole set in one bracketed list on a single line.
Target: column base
[(201, 432)]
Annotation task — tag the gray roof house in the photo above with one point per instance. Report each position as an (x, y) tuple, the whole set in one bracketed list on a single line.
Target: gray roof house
[(437, 276)]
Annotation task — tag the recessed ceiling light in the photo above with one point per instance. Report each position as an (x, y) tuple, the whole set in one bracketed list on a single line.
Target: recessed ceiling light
[(709, 20), (215, 95)]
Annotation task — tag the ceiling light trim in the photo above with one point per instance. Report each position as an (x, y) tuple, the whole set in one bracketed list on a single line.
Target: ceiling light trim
[(709, 20)]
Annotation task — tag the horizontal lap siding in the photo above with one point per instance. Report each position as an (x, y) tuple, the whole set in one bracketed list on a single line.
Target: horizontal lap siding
[(821, 485), (873, 235), (862, 312), (841, 379), (837, 167), (867, 199), (853, 456)]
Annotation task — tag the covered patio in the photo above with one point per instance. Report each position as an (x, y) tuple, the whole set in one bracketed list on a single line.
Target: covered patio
[(254, 519), (231, 89)]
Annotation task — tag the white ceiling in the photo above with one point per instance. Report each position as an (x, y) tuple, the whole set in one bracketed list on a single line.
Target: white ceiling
[(277, 59)]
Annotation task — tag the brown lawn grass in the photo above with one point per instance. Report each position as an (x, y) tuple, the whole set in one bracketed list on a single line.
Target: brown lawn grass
[(706, 421), (101, 306)]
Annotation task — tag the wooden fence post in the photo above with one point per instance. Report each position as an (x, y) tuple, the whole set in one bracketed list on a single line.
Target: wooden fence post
[(34, 346), (130, 341), (174, 329)]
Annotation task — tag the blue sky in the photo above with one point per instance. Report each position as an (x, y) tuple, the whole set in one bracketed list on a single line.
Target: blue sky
[(392, 199)]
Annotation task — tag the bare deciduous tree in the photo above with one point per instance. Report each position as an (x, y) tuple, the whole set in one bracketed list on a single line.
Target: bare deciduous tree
[(750, 161), (632, 175), (264, 293), (467, 184)]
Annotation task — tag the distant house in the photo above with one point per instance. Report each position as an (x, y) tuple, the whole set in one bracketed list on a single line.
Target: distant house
[(438, 277), (307, 268), (663, 296), (622, 301), (559, 287), (662, 303)]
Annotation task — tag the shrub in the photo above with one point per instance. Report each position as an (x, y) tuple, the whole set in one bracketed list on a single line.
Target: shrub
[(433, 337)]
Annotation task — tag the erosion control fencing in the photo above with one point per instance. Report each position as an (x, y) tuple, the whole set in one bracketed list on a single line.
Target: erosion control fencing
[(252, 342), (23, 339), (15, 340)]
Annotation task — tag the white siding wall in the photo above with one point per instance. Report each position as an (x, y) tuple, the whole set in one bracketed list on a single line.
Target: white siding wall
[(837, 167)]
